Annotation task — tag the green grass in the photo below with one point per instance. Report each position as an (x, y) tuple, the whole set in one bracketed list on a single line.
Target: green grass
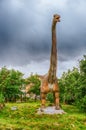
[(25, 118)]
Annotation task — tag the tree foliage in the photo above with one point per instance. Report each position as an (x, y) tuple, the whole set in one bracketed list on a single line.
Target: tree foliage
[(10, 83), (68, 85), (73, 86)]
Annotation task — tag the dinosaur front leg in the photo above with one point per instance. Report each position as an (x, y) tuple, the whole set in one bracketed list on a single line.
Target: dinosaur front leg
[(43, 100), (57, 100)]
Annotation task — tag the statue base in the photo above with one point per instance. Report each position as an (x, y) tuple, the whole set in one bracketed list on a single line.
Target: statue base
[(50, 110)]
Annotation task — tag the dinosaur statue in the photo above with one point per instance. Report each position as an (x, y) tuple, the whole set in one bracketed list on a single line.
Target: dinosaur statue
[(49, 82)]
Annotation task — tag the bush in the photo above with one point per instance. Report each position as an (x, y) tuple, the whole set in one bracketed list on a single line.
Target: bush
[(82, 104), (50, 97), (1, 101), (1, 98)]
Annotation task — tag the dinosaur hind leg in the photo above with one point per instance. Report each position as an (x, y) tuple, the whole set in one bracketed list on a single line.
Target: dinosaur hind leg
[(57, 100)]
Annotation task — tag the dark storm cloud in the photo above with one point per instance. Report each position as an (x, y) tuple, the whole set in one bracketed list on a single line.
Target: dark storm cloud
[(25, 30), (72, 34)]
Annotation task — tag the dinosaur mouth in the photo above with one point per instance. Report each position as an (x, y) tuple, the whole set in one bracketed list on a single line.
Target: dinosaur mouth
[(58, 19)]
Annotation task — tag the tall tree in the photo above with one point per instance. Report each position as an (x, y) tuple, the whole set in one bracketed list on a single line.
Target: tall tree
[(10, 83), (68, 85), (82, 84)]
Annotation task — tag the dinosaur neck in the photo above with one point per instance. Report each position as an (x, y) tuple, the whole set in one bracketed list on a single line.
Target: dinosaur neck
[(53, 58)]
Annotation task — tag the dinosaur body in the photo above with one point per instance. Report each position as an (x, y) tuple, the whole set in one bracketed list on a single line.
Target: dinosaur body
[(49, 82)]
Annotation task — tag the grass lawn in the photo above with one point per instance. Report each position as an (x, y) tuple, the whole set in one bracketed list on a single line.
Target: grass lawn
[(25, 118)]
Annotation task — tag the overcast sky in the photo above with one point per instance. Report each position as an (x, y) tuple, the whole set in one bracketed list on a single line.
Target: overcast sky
[(25, 34)]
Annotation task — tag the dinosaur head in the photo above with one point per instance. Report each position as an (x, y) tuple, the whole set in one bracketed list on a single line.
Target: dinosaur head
[(56, 18)]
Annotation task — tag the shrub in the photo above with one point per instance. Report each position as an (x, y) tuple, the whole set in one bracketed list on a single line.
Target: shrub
[(1, 101), (50, 97), (82, 104), (1, 98)]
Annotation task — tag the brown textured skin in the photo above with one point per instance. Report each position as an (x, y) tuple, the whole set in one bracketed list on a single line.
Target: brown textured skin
[(50, 78)]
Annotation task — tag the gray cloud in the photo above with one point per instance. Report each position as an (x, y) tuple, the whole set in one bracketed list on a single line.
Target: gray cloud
[(25, 30)]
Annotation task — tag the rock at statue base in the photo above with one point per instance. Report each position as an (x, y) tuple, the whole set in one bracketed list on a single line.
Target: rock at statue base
[(50, 110)]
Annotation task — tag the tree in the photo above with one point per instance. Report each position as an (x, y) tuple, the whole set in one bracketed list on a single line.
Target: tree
[(4, 72), (73, 86), (82, 65), (68, 86), (81, 95), (10, 83)]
